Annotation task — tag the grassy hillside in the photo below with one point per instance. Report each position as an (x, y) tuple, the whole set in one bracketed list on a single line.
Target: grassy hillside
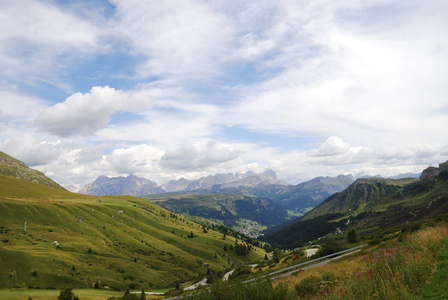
[(358, 194), (10, 166), (118, 242), (240, 213)]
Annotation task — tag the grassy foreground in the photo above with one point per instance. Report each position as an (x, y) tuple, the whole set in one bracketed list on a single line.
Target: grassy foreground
[(391, 270)]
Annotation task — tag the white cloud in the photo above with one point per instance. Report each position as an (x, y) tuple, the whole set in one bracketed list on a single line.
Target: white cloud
[(332, 146), (38, 39), (177, 39), (18, 109), (85, 114), (133, 160), (28, 149), (340, 75), (199, 156)]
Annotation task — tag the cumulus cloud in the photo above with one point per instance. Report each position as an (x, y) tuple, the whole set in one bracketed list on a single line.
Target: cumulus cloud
[(85, 114), (133, 160), (29, 150), (199, 156), (332, 146)]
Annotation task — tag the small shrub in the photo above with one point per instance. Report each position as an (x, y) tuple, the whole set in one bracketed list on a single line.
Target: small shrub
[(328, 276), (67, 294), (330, 247), (309, 286)]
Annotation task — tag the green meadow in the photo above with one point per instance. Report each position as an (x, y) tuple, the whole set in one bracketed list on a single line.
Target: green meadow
[(112, 243)]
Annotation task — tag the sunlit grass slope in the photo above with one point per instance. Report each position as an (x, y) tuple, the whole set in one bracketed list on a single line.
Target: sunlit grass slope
[(120, 242)]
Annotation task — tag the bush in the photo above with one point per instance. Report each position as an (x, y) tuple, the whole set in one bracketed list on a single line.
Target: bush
[(67, 294), (308, 286), (330, 247)]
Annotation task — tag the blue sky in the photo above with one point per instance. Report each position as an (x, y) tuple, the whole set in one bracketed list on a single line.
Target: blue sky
[(171, 89)]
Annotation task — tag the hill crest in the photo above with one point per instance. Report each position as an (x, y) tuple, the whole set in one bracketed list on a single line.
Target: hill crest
[(9, 166)]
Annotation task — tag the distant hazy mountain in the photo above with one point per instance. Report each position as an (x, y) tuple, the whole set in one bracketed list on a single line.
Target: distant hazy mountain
[(12, 167), (135, 186), (223, 180), (72, 188), (407, 175), (131, 185), (399, 176)]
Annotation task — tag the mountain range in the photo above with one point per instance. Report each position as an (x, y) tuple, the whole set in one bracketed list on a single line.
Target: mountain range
[(135, 186), (296, 198)]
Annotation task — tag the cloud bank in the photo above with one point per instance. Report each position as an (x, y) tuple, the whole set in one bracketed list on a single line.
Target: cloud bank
[(169, 90)]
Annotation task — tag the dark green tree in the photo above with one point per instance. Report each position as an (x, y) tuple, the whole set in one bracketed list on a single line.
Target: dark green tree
[(352, 236), (143, 295), (330, 247), (265, 257), (276, 255), (128, 296)]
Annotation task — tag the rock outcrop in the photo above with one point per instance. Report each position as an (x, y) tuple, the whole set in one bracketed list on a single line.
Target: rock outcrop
[(432, 172)]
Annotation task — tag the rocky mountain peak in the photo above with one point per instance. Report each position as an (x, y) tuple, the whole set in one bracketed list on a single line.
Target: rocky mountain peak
[(269, 173), (431, 172)]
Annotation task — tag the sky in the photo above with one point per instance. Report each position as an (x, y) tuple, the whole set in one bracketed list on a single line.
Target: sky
[(172, 89)]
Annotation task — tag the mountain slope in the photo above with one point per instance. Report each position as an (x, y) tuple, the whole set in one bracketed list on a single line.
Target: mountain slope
[(73, 240), (10, 166), (368, 205), (362, 191), (297, 198)]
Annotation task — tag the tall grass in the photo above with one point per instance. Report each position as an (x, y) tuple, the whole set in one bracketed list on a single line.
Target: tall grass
[(398, 270), (393, 270)]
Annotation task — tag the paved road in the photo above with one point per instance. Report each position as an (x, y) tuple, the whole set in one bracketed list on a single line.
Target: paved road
[(192, 287), (227, 275)]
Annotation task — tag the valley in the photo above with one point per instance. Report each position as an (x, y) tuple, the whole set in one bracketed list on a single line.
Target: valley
[(116, 242), (53, 239)]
